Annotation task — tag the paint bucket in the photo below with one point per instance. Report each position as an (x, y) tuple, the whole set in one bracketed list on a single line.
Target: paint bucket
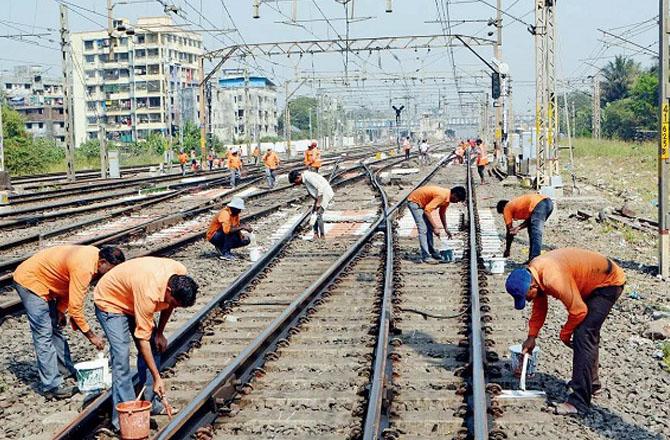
[(91, 374), (447, 255), (254, 254), (517, 360), (134, 418), (495, 265), (4, 197)]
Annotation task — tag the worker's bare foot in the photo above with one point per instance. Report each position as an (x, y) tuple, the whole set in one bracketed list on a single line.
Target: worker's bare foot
[(565, 409)]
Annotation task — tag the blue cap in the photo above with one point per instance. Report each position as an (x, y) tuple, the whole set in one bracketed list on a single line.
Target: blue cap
[(517, 285)]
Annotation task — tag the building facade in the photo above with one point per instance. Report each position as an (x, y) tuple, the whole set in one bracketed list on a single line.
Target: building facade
[(38, 98), (146, 83), (228, 107)]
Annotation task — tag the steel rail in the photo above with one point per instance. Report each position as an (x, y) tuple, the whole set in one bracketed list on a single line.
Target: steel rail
[(88, 419), (376, 417), (480, 421)]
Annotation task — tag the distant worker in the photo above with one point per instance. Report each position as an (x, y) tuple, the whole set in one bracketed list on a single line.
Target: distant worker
[(183, 158), (588, 284), (50, 283), (320, 190), (195, 166), (126, 299), (271, 161), (193, 156), (210, 160), (423, 151), (234, 165), (225, 230), (422, 202), (406, 146), (313, 158), (482, 159), (256, 154), (534, 210), (460, 152)]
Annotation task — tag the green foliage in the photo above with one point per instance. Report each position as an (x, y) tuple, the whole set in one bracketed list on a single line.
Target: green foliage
[(89, 150), (24, 155), (300, 110), (13, 125), (270, 139), (191, 137), (608, 149), (620, 120), (620, 75)]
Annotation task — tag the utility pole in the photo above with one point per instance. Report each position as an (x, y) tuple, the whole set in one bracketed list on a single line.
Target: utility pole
[(2, 138), (310, 123), (104, 156), (247, 109), (203, 116), (596, 107), (66, 52), (664, 140), (498, 54), (287, 122)]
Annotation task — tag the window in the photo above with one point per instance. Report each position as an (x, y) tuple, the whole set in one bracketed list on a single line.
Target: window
[(154, 102), (123, 57), (40, 125), (154, 69), (90, 58), (152, 52), (26, 86), (152, 38), (139, 39), (88, 45), (8, 86), (123, 41), (29, 125), (140, 53), (103, 57)]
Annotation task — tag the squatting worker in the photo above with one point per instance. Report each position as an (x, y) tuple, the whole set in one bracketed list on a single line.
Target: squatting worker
[(126, 299), (534, 210), (313, 158), (588, 284), (271, 161), (225, 230), (50, 283), (422, 202), (320, 190), (234, 165)]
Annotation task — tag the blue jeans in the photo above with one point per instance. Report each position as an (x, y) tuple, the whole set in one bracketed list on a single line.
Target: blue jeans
[(119, 329), (51, 347), (225, 242), (424, 228), (540, 215), (270, 176), (234, 176)]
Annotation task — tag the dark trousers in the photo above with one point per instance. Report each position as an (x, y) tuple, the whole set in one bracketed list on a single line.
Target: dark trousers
[(540, 215), (319, 227), (225, 242), (480, 170), (406, 154), (585, 342)]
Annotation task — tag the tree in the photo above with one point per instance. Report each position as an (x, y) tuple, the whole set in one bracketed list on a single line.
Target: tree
[(620, 120), (300, 110), (644, 100), (620, 76), (89, 149), (13, 125), (191, 137), (24, 155)]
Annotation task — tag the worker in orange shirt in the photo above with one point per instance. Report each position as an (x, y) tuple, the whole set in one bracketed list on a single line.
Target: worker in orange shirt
[(183, 158), (482, 159), (256, 154), (313, 158), (588, 284), (534, 210), (234, 165), (225, 230), (407, 146), (126, 299), (422, 202), (271, 161), (50, 283)]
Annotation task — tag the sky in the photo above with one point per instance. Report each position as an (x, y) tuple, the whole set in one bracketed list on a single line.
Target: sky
[(582, 49)]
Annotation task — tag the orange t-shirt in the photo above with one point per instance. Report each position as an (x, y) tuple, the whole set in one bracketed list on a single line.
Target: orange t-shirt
[(520, 208), (62, 273), (183, 158), (257, 152), (570, 275), (234, 162), (271, 160), (430, 197), (224, 220), (482, 156), (137, 288)]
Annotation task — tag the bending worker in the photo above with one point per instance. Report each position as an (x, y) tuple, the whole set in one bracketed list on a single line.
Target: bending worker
[(534, 209), (320, 190), (225, 230), (50, 283), (422, 202), (271, 161), (588, 284), (313, 158), (234, 165), (126, 299)]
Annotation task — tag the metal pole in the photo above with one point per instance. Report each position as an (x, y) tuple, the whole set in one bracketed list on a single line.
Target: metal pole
[(104, 157), (596, 107), (2, 138), (66, 51), (203, 116), (287, 123), (664, 140), (247, 109), (498, 54), (310, 123)]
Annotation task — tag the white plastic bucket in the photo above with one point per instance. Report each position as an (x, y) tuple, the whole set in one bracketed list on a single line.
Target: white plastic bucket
[(496, 265), (254, 254), (517, 360), (91, 375)]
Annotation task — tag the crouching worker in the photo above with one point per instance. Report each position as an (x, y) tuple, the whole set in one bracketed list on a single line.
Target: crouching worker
[(126, 299), (50, 283), (588, 284), (422, 202), (534, 210), (320, 190), (225, 230)]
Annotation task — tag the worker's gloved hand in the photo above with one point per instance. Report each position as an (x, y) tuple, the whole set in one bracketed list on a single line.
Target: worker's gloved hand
[(161, 342), (528, 345)]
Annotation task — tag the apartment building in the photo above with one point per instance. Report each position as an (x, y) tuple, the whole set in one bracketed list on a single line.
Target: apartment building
[(146, 82), (228, 106), (38, 98)]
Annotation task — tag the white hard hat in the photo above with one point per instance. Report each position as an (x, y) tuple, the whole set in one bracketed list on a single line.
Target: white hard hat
[(237, 202)]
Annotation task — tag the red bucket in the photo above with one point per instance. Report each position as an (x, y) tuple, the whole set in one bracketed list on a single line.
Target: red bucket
[(134, 419)]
